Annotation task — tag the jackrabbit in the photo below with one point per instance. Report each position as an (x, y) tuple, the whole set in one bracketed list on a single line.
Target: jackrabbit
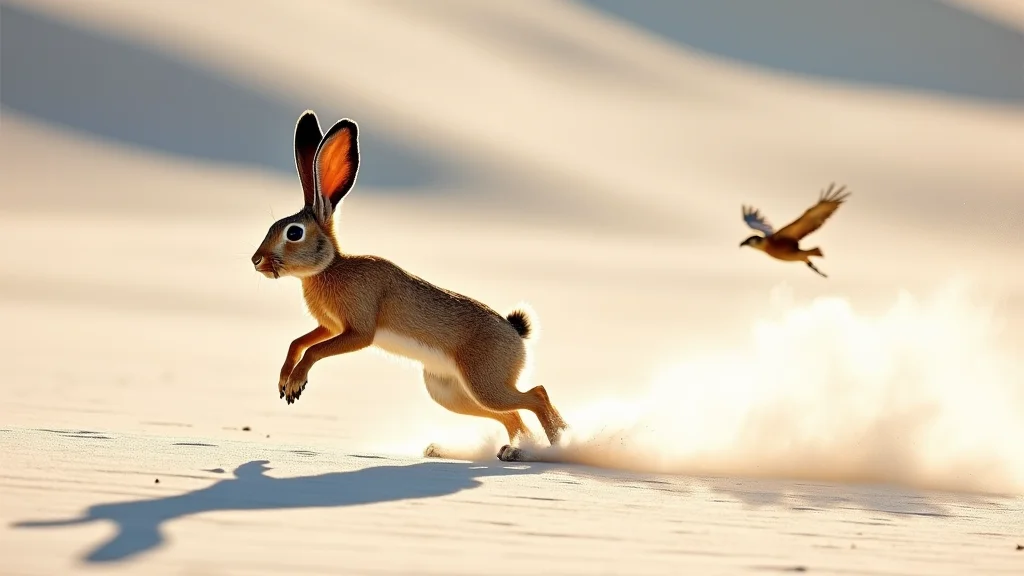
[(471, 355)]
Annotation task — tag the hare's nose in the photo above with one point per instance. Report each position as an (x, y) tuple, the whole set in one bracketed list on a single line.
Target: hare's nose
[(256, 259)]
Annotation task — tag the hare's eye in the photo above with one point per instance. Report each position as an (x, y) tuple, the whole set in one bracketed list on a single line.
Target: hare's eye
[(294, 232)]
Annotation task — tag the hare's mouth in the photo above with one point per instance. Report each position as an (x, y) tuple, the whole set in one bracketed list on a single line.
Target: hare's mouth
[(268, 269)]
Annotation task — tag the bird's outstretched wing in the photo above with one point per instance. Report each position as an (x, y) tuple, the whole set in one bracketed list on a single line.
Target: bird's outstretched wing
[(816, 215), (755, 220)]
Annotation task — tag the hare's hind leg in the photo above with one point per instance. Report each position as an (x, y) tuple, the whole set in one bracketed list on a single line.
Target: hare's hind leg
[(449, 392), (496, 390)]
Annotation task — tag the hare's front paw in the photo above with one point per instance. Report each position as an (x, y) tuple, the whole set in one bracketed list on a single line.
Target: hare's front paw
[(292, 388)]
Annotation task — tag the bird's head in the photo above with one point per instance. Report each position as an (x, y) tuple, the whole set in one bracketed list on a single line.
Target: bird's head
[(754, 242)]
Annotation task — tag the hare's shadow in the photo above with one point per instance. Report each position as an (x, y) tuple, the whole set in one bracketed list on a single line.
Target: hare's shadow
[(139, 523)]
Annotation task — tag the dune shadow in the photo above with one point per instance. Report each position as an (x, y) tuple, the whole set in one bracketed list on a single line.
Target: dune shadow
[(118, 90), (911, 45), (139, 523)]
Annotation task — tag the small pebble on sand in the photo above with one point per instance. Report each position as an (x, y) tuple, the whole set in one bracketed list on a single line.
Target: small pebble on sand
[(246, 428), (157, 481)]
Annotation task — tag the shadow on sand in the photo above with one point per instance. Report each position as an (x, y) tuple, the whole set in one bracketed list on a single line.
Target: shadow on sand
[(875, 504), (881, 500), (139, 523)]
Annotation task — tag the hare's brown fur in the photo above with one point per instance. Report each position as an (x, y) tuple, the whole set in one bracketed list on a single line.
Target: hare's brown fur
[(472, 356)]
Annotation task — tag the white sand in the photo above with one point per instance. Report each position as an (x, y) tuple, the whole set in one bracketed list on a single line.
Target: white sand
[(745, 415)]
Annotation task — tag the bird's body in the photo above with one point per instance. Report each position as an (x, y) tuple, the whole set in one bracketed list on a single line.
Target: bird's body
[(789, 251), (784, 244)]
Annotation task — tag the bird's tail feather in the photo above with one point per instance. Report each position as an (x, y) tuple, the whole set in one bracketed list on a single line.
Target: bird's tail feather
[(815, 252)]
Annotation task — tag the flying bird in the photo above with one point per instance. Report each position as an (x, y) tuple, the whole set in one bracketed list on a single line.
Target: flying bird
[(785, 244)]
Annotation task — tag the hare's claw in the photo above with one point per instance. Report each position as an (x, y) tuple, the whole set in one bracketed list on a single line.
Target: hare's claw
[(292, 392)]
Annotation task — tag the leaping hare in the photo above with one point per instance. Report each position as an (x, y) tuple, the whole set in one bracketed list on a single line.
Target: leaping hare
[(471, 355)]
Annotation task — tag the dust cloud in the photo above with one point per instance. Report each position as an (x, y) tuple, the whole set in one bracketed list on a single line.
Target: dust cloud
[(924, 394)]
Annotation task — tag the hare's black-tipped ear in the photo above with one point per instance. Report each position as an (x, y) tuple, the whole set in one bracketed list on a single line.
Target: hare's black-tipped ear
[(337, 161), (307, 140)]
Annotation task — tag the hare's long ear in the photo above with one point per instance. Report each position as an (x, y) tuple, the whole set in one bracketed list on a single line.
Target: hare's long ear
[(307, 139), (337, 161)]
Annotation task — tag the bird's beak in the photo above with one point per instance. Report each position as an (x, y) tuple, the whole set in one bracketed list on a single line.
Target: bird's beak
[(742, 244)]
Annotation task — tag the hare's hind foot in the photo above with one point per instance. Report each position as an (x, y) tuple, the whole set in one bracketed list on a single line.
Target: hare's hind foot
[(509, 453), (506, 453), (434, 451)]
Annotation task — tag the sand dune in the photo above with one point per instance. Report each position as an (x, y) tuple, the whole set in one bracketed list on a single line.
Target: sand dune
[(729, 413), (875, 43)]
